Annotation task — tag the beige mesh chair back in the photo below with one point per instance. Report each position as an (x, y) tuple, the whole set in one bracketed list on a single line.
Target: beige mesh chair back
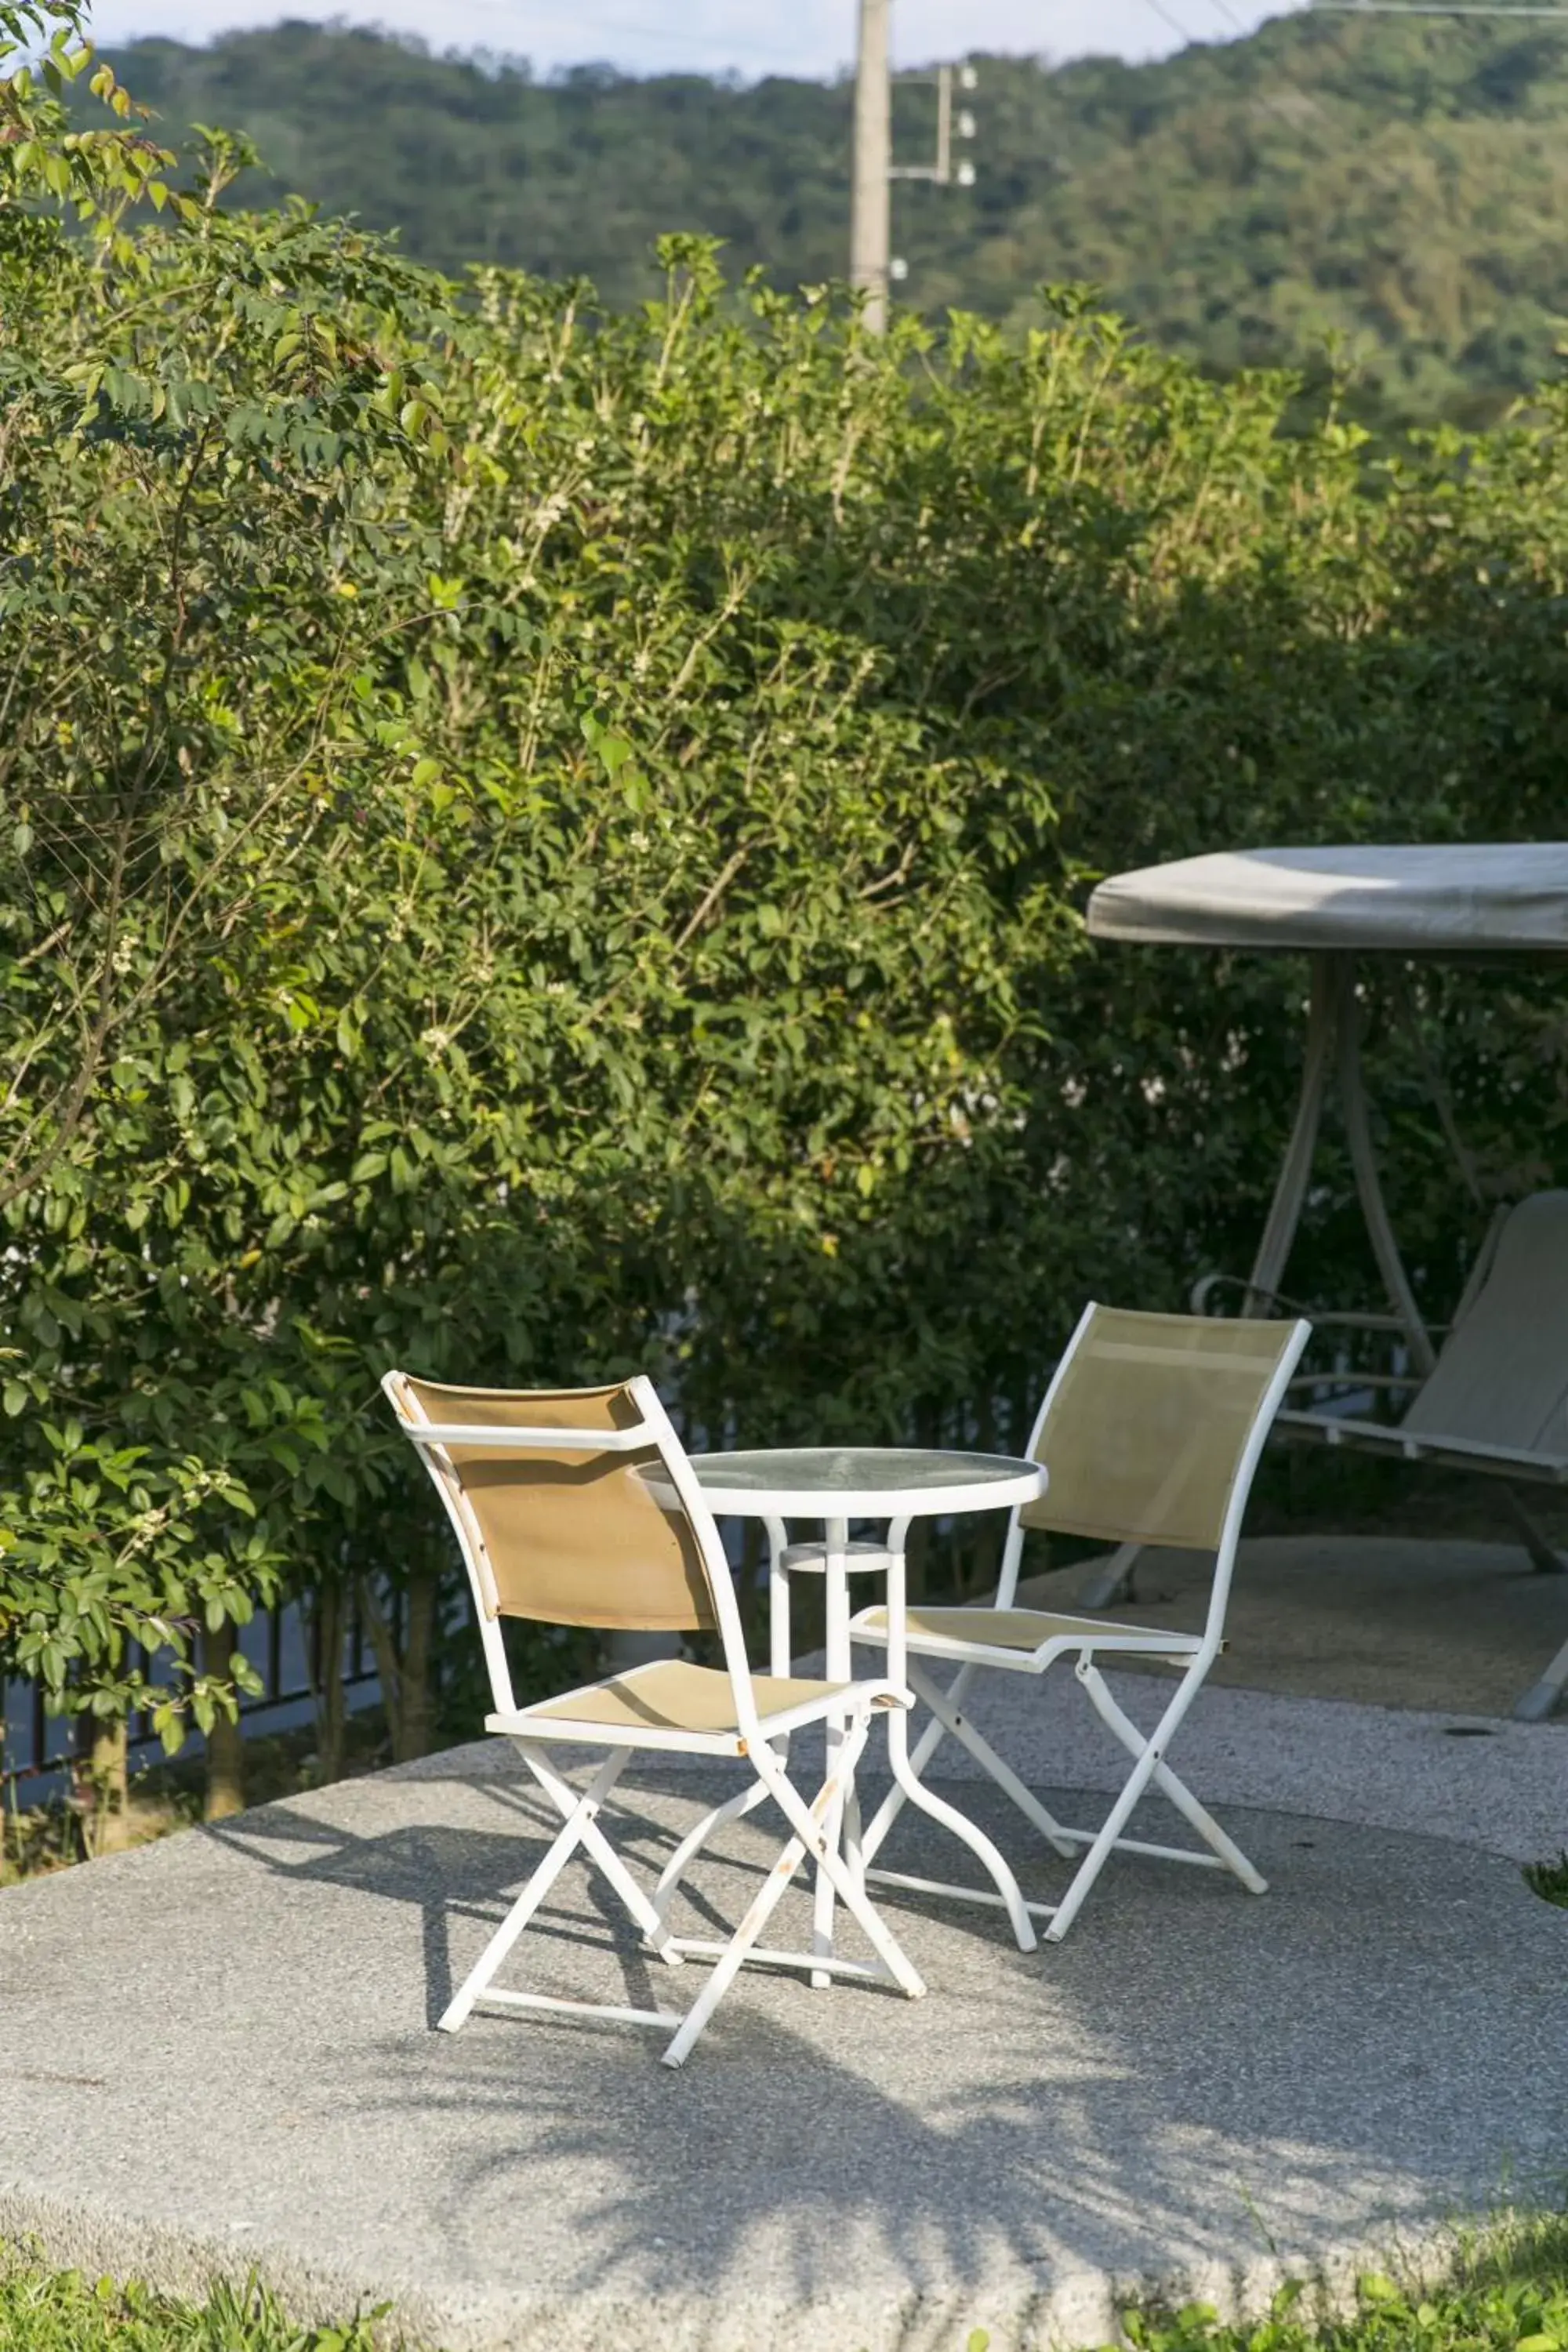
[(571, 1533), (1150, 1432), (579, 1507)]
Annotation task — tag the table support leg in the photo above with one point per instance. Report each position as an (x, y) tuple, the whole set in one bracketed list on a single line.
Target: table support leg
[(836, 1665), (914, 1789), (779, 1636), (1333, 1052)]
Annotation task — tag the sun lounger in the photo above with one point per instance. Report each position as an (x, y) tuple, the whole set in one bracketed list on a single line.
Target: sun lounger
[(1495, 1401)]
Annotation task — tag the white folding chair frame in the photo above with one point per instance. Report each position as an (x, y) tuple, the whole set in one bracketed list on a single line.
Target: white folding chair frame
[(533, 1734), (1192, 1654)]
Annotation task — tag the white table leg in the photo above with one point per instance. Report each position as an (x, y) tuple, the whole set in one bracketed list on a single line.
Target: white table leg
[(836, 1666), (778, 1599), (908, 1780)]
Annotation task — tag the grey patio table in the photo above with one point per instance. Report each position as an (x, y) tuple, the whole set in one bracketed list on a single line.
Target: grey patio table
[(831, 1486)]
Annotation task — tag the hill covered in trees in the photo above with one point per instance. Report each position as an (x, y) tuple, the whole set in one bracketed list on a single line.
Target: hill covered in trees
[(1402, 187)]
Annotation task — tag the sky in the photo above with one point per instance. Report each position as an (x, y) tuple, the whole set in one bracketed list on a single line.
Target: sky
[(752, 37)]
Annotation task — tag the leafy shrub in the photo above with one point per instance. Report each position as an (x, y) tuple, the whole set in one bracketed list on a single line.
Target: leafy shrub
[(542, 843)]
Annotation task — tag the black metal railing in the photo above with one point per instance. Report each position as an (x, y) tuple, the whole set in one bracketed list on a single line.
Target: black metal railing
[(281, 1645)]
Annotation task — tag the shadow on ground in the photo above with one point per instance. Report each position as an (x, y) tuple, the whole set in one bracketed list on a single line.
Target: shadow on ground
[(1195, 2084)]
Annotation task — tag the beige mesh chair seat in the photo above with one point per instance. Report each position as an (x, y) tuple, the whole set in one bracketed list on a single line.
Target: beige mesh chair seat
[(578, 1507), (1150, 1432), (690, 1704), (1033, 1635)]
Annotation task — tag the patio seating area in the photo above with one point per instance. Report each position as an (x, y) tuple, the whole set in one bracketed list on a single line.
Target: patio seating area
[(1197, 2093), (222, 2055), (582, 1507), (762, 1055)]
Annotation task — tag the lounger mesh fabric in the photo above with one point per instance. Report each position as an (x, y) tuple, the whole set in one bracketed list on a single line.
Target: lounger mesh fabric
[(1149, 1423), (1502, 1376), (571, 1538)]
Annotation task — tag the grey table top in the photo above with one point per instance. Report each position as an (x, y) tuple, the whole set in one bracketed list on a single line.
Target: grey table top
[(864, 1482)]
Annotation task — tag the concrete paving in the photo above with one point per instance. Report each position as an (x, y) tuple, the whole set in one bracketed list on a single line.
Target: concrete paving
[(1497, 1786), (1388, 1620), (216, 2053)]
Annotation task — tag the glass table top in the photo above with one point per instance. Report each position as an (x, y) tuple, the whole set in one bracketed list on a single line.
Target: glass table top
[(862, 1469)]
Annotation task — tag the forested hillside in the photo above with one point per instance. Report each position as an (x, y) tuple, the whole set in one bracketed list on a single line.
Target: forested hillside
[(1403, 187)]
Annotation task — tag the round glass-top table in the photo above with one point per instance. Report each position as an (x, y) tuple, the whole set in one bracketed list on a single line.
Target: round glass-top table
[(831, 1486), (863, 1482)]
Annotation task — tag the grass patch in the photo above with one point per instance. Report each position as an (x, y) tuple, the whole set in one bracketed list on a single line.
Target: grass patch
[(1507, 2292), (1548, 1880), (61, 2311)]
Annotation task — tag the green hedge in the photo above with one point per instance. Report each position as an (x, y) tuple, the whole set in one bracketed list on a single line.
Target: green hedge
[(540, 842)]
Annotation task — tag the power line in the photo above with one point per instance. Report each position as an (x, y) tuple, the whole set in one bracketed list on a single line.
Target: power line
[(1174, 23), (1423, 8)]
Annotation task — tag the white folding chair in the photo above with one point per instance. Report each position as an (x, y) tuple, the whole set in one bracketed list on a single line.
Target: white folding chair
[(1150, 1432), (579, 1507)]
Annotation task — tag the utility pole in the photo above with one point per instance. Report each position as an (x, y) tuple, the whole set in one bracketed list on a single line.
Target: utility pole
[(870, 229), (870, 233)]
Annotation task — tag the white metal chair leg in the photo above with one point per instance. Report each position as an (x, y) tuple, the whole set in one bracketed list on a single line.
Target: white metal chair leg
[(696, 1838), (822, 1902), (655, 1929), (838, 1663), (852, 1894), (941, 1705), (1138, 1779), (854, 1839), (729, 1965), (579, 1815), (655, 1932), (1177, 1791), (810, 1826)]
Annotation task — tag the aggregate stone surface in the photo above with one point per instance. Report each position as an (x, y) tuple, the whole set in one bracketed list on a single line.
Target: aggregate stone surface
[(216, 2053), (1387, 1620)]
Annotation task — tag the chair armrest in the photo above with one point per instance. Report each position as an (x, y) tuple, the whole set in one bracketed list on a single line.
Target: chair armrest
[(1321, 1318), (1450, 1453), (1206, 1284)]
